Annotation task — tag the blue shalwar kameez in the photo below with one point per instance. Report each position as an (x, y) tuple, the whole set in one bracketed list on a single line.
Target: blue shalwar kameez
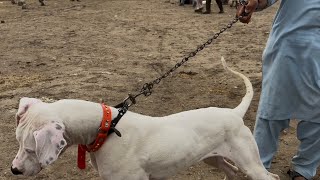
[(291, 84)]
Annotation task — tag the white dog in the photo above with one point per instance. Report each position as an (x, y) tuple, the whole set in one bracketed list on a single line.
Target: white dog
[(150, 147)]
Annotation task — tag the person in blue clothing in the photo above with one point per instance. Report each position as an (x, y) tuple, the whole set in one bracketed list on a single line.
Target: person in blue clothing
[(290, 82)]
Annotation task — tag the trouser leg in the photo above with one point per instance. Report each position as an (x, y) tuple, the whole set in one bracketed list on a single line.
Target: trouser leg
[(266, 134), (219, 2), (208, 6), (307, 158)]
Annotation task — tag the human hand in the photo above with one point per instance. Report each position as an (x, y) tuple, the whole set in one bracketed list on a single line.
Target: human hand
[(245, 11)]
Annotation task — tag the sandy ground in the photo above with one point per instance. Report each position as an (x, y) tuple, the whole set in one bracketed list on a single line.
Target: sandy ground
[(105, 49)]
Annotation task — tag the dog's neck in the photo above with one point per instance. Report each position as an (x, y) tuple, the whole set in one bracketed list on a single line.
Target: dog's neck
[(82, 127)]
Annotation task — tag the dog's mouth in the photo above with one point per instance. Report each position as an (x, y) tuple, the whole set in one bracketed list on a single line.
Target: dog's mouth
[(33, 173)]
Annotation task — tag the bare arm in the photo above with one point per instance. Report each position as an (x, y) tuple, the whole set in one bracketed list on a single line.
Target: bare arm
[(245, 11)]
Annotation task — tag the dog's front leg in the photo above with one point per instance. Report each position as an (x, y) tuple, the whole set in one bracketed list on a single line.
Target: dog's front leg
[(93, 161), (124, 175)]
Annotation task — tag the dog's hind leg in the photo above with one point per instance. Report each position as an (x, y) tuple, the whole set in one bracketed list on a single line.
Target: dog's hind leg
[(219, 162), (244, 153)]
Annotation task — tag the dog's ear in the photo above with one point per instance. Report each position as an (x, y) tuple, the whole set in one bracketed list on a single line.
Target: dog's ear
[(24, 105), (49, 142)]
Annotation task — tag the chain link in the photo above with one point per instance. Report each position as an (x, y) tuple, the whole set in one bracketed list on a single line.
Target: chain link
[(147, 87)]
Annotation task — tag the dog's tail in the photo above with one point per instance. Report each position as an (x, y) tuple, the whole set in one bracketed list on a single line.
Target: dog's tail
[(242, 108)]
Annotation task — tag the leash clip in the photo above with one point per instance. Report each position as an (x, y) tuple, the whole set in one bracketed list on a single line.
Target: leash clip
[(122, 109), (127, 102), (132, 100)]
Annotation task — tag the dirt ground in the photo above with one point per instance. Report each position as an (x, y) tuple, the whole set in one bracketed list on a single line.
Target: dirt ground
[(105, 49)]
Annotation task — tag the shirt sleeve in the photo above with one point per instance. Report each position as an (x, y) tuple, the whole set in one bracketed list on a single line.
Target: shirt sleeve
[(269, 3)]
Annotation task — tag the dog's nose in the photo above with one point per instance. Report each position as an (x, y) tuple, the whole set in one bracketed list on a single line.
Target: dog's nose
[(15, 171)]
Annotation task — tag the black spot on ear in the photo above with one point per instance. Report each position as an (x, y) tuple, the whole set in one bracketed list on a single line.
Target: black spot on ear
[(58, 127), (17, 157), (47, 162), (62, 142), (50, 158), (52, 122)]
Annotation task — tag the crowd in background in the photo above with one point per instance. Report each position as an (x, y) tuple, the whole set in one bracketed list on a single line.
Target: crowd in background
[(199, 5)]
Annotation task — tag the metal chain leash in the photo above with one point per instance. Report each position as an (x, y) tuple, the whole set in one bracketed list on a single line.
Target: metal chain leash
[(146, 89)]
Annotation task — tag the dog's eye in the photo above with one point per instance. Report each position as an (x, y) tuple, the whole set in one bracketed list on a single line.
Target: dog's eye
[(30, 151)]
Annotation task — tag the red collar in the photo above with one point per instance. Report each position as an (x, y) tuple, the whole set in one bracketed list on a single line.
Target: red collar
[(100, 139)]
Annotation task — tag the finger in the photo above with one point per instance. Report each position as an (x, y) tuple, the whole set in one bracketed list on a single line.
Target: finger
[(243, 17), (251, 6), (248, 11), (240, 10)]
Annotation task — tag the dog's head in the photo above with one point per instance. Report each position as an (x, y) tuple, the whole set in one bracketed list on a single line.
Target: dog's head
[(40, 138)]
